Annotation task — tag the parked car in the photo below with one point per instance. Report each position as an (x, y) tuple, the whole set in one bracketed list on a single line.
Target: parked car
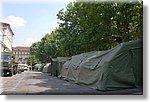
[(22, 67)]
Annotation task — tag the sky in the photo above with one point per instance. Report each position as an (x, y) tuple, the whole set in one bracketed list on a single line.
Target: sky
[(30, 20)]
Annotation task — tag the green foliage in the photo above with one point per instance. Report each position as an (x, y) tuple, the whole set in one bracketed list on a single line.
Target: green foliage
[(32, 60), (85, 27)]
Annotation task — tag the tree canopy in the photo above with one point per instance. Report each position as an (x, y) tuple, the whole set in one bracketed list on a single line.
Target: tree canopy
[(86, 26)]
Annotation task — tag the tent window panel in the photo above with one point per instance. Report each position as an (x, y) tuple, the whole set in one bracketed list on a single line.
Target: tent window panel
[(91, 63)]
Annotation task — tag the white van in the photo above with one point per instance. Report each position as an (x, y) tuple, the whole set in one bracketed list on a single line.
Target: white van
[(22, 67)]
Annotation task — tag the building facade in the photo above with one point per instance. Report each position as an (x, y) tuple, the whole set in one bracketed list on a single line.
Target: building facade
[(21, 53), (6, 37)]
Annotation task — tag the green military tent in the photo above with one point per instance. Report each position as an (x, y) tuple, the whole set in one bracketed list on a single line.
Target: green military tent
[(47, 68), (71, 69), (117, 68), (57, 64), (54, 67), (37, 66), (61, 61)]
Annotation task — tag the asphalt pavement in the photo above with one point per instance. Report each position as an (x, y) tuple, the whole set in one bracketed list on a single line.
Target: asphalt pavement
[(38, 83)]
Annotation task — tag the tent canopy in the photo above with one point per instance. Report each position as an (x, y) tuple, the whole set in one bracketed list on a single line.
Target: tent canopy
[(118, 68)]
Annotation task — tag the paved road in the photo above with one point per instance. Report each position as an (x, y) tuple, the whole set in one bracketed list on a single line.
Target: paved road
[(34, 83)]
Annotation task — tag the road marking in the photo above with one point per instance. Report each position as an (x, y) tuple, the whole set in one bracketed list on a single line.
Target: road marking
[(19, 82)]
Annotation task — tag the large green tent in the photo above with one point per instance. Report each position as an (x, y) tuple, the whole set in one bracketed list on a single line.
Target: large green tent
[(117, 68), (61, 61), (57, 64), (73, 65)]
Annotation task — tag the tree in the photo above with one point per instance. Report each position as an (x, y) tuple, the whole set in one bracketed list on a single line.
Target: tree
[(85, 27), (31, 60), (99, 26)]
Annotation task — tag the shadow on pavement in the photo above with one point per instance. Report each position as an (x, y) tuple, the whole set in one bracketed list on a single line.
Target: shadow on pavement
[(48, 85)]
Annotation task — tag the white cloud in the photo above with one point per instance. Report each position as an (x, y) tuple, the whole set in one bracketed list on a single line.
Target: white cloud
[(29, 41), (14, 21)]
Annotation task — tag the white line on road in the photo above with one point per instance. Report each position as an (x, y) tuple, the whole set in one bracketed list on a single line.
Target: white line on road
[(14, 88)]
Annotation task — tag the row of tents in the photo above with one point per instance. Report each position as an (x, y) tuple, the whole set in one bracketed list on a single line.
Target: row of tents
[(54, 68), (118, 68)]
